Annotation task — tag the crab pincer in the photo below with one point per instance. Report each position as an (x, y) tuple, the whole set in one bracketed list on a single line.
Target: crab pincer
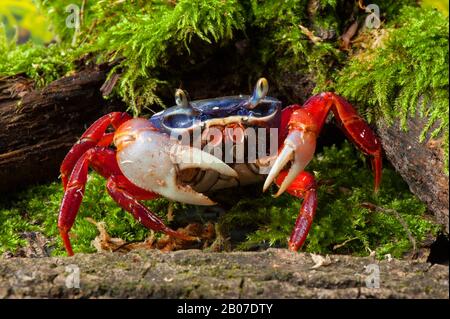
[(303, 127), (154, 161)]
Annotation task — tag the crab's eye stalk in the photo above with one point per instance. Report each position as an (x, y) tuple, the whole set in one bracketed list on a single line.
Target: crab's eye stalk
[(262, 87), (181, 116), (181, 98), (259, 93)]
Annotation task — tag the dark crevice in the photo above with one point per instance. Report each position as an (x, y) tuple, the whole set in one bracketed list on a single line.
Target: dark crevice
[(439, 250)]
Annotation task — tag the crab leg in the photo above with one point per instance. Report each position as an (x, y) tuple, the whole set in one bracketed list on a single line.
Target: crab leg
[(354, 127), (94, 135), (141, 213), (300, 127), (123, 192), (303, 127), (303, 186), (74, 190)]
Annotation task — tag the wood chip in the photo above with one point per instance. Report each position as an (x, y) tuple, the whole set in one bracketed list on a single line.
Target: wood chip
[(320, 261)]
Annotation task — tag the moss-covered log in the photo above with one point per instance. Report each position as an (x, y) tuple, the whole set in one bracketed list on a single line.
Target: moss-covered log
[(215, 48), (420, 164), (276, 273), (39, 126)]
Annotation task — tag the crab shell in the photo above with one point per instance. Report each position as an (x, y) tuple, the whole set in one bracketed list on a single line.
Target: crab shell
[(152, 156), (218, 111)]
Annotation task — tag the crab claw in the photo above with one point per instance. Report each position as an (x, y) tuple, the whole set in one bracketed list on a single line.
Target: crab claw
[(155, 162), (298, 149)]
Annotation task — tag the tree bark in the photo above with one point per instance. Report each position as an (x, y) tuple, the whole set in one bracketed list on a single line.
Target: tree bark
[(420, 164), (275, 273), (37, 127)]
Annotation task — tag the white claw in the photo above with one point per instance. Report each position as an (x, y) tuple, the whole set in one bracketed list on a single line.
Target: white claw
[(189, 157), (298, 148), (155, 158), (286, 155), (295, 169)]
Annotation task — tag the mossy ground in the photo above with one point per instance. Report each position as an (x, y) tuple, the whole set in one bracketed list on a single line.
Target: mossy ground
[(345, 192), (345, 221)]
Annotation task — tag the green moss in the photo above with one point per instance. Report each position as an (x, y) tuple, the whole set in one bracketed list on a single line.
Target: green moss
[(284, 46), (37, 210), (143, 36), (41, 63), (346, 184), (404, 74)]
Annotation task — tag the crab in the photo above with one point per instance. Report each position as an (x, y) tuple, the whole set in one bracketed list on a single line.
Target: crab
[(143, 159)]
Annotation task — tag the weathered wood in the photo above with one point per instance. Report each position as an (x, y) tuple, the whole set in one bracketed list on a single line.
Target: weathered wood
[(37, 127), (275, 273), (420, 164)]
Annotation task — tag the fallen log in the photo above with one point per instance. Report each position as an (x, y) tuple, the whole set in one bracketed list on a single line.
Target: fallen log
[(421, 164), (275, 273), (37, 127)]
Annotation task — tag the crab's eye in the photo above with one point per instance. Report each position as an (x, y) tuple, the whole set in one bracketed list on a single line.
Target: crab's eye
[(181, 120), (261, 89), (259, 93), (181, 98)]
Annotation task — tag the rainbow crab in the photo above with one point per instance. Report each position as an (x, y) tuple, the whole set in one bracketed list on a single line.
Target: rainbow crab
[(148, 162)]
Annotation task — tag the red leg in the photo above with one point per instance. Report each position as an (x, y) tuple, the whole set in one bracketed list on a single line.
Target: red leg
[(94, 135), (300, 127), (129, 203), (106, 140), (103, 160), (304, 186), (313, 114), (136, 192)]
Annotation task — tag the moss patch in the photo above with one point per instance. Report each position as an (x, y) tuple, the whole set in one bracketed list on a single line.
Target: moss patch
[(402, 72), (346, 188), (37, 210), (343, 223), (142, 37), (42, 64)]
